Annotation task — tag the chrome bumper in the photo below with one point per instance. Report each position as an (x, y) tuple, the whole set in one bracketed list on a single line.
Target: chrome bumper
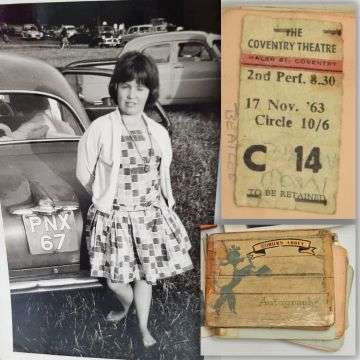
[(37, 286)]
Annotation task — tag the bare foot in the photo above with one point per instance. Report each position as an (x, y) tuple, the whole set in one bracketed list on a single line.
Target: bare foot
[(148, 340), (115, 316)]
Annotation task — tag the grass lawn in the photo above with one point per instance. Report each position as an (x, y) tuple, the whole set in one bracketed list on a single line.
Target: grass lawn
[(55, 56)]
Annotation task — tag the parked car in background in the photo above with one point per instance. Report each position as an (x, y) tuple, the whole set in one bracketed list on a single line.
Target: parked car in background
[(70, 29), (15, 29), (81, 38), (136, 31), (104, 36), (188, 63), (31, 32), (108, 40), (43, 206), (105, 29), (49, 31)]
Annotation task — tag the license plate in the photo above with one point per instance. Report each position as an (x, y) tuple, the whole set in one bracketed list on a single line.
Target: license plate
[(54, 233)]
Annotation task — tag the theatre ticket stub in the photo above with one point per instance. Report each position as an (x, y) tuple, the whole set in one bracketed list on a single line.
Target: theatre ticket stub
[(289, 116)]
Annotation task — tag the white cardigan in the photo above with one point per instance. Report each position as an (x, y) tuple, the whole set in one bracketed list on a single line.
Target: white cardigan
[(99, 159)]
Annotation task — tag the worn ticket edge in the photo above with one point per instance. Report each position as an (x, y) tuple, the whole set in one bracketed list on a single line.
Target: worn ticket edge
[(236, 195), (345, 209)]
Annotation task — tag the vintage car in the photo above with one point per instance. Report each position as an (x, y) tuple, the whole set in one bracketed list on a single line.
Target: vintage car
[(31, 32), (43, 206), (49, 31), (136, 31), (108, 40), (15, 29), (103, 36), (81, 38), (102, 29), (70, 30), (188, 63)]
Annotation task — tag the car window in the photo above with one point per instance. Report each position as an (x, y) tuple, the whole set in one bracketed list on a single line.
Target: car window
[(91, 89), (193, 51), (34, 117), (160, 53)]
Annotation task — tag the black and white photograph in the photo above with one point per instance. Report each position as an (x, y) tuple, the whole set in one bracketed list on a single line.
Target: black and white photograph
[(109, 139)]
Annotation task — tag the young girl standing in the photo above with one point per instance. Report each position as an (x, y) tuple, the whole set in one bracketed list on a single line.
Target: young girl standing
[(133, 235)]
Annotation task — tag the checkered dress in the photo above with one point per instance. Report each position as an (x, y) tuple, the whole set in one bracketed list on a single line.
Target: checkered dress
[(142, 238)]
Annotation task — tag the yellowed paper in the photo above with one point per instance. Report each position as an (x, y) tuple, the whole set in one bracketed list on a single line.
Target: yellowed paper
[(340, 262), (289, 116), (336, 344), (280, 279)]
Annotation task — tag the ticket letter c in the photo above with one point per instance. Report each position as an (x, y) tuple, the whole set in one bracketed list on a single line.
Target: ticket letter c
[(248, 157)]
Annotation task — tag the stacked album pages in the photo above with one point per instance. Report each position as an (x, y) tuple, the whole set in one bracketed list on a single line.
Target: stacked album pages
[(278, 284)]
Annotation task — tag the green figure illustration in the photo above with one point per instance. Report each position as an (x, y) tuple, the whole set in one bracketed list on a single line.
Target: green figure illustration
[(226, 291)]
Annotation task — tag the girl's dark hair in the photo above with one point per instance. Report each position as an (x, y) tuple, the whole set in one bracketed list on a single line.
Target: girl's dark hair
[(136, 66)]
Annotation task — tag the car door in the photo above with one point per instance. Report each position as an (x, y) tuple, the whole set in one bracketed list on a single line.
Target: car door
[(196, 73), (91, 86), (161, 53)]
